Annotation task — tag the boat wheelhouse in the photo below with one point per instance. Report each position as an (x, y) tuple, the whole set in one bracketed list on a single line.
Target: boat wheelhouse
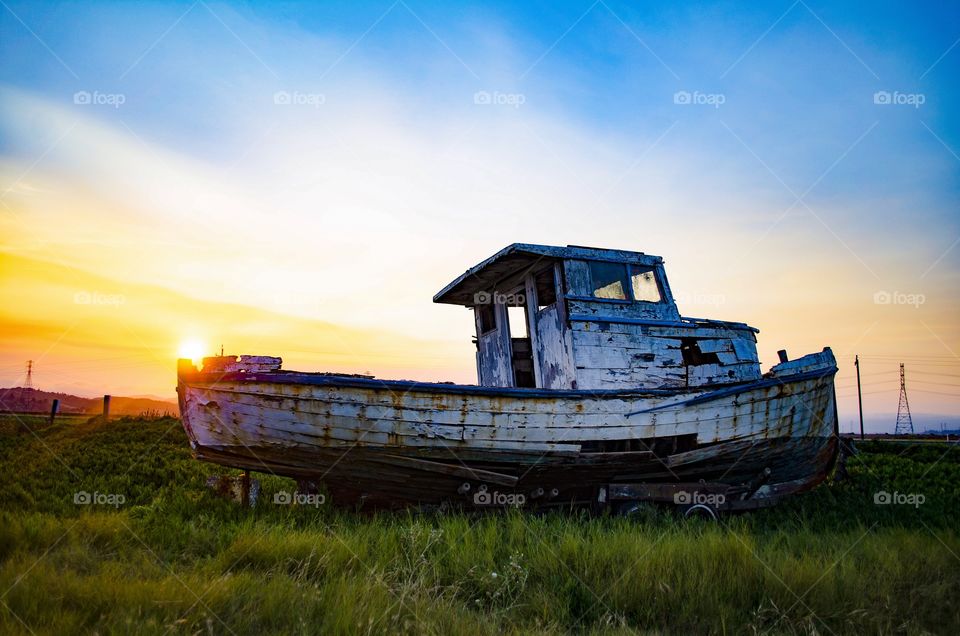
[(587, 318)]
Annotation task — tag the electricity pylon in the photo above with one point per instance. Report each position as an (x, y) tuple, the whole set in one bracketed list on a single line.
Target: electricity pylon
[(904, 421)]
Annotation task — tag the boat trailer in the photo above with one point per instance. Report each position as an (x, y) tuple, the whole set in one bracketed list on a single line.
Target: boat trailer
[(691, 499)]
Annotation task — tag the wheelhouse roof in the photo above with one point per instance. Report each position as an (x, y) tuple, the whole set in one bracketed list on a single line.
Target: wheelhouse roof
[(508, 267)]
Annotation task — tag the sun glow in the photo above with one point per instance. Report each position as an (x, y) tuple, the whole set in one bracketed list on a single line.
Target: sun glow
[(193, 348)]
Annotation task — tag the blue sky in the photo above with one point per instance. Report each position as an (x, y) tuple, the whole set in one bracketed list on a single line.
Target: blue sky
[(782, 187), (793, 73), (797, 79)]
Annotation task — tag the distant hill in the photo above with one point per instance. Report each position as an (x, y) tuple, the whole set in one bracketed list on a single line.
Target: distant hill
[(36, 401)]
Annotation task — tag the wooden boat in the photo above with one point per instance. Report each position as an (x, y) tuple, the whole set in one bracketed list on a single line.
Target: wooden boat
[(593, 390)]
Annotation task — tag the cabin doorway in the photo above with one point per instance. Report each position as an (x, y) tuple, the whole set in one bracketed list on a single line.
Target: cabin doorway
[(521, 348)]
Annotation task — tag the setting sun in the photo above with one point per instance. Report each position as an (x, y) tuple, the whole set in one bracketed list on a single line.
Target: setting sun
[(193, 348)]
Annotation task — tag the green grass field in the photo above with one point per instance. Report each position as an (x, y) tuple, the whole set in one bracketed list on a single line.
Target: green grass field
[(175, 558)]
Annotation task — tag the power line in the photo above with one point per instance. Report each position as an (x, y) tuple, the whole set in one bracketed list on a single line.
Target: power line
[(936, 392), (845, 396), (912, 356), (947, 384), (939, 375), (865, 384)]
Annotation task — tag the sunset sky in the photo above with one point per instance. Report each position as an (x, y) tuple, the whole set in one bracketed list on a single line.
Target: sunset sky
[(299, 180)]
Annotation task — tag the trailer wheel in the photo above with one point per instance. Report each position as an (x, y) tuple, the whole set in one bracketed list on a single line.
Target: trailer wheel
[(638, 510), (701, 511)]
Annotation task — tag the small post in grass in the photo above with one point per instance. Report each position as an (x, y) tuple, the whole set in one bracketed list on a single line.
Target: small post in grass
[(53, 409), (106, 408), (245, 489)]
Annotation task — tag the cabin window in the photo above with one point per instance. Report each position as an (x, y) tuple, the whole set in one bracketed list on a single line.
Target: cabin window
[(486, 318), (546, 288), (608, 280), (517, 319), (693, 356), (643, 281)]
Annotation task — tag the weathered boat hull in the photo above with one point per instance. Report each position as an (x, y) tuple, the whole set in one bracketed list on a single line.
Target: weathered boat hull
[(394, 444)]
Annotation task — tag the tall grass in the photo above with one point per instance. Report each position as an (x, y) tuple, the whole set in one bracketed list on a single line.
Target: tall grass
[(174, 558)]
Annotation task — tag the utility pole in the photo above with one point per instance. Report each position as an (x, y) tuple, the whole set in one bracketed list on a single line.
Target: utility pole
[(856, 363)]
